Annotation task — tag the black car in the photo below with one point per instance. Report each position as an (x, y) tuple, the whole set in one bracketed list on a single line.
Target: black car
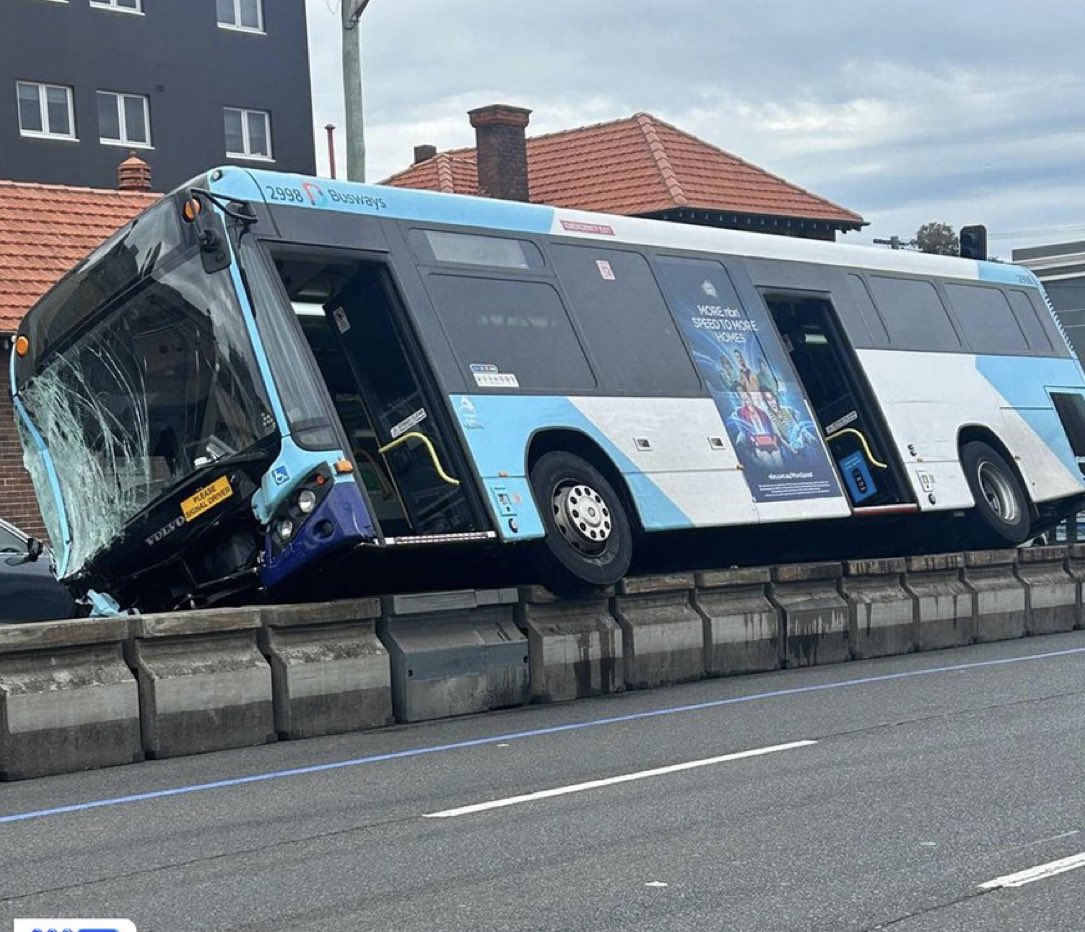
[(28, 589)]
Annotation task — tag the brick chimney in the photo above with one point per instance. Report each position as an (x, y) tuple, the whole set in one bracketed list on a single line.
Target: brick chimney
[(502, 151), (133, 174), (424, 153)]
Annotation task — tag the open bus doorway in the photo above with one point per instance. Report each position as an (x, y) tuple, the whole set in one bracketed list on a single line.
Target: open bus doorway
[(395, 422), (850, 422)]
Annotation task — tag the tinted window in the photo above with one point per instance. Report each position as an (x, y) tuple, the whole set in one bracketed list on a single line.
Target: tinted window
[(869, 314), (985, 319), (624, 320), (510, 334), (471, 249), (1057, 331), (1030, 324), (914, 314)]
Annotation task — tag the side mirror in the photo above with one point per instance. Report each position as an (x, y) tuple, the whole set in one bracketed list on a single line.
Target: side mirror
[(34, 549), (210, 231)]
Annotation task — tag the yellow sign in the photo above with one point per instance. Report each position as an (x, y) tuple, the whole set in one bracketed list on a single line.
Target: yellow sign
[(206, 498)]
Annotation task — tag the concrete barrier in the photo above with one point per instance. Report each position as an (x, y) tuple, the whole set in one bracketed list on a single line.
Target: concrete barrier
[(67, 700), (741, 626), (999, 598), (815, 614), (881, 613), (203, 683), (943, 604), (662, 635), (1052, 592), (1075, 566), (453, 653), (329, 672), (574, 645)]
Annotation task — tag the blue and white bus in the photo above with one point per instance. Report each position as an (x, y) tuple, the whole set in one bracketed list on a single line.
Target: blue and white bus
[(266, 375)]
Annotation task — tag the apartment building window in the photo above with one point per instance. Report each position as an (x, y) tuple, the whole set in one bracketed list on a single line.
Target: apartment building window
[(124, 119), (248, 133), (247, 15), (45, 110), (124, 6)]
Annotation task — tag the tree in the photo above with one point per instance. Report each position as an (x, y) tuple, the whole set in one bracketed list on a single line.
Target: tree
[(938, 238)]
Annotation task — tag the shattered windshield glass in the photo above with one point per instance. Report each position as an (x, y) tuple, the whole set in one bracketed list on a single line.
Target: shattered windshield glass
[(162, 385)]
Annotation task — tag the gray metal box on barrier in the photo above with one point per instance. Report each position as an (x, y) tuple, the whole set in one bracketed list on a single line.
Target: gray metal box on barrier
[(741, 626), (453, 653), (329, 671), (574, 645), (67, 700)]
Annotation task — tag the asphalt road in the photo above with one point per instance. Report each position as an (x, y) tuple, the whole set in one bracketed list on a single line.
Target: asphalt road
[(906, 794)]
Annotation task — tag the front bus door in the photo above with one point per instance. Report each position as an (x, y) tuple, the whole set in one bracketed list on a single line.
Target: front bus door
[(409, 445), (850, 421)]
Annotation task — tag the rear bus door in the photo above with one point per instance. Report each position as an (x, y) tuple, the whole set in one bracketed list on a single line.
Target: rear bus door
[(843, 404)]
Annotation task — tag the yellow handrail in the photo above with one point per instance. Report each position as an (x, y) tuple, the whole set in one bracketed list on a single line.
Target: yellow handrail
[(415, 435), (862, 440)]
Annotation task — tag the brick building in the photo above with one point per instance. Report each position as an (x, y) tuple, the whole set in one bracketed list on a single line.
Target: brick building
[(638, 166), (44, 231)]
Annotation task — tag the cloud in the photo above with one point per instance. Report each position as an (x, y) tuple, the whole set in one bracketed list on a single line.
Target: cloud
[(905, 113)]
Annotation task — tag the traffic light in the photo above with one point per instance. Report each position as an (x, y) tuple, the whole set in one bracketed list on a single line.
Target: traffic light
[(974, 242)]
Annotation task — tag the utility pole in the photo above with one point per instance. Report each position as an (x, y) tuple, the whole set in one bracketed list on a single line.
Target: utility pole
[(352, 88)]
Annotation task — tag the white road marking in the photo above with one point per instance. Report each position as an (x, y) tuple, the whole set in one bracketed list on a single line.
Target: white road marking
[(1040, 872), (610, 781)]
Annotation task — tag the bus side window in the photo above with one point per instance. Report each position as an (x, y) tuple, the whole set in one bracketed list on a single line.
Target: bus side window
[(914, 314), (986, 319), (510, 334), (624, 320), (867, 311), (1029, 322)]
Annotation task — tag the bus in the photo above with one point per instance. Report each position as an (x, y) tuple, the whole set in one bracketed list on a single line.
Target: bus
[(265, 375)]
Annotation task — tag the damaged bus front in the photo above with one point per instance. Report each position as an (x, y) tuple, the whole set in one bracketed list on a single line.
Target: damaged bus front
[(167, 470)]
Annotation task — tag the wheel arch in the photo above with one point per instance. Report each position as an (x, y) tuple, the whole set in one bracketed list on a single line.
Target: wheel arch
[(567, 440), (970, 432)]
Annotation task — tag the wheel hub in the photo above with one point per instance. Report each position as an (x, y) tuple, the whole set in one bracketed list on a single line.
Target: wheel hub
[(582, 517), (999, 493)]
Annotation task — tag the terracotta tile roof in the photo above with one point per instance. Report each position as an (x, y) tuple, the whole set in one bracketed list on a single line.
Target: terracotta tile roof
[(635, 166), (45, 230)]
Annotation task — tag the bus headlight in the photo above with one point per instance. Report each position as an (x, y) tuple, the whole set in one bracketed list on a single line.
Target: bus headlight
[(306, 501), (285, 529)]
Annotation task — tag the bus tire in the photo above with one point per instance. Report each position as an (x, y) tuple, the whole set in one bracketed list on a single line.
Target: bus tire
[(589, 540), (1001, 515)]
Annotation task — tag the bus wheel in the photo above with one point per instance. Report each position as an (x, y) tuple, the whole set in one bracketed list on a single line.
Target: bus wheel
[(1001, 516), (588, 543)]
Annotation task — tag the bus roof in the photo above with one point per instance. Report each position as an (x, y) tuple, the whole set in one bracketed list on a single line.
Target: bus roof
[(303, 192)]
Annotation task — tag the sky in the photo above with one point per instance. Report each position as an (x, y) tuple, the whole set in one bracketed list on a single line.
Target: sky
[(958, 111)]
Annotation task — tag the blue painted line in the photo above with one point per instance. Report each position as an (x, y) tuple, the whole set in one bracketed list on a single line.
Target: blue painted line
[(519, 735)]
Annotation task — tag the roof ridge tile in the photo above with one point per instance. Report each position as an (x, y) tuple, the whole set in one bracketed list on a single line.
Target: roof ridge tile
[(662, 160)]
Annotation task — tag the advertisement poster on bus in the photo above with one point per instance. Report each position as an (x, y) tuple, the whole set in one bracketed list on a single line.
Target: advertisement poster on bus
[(750, 377)]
